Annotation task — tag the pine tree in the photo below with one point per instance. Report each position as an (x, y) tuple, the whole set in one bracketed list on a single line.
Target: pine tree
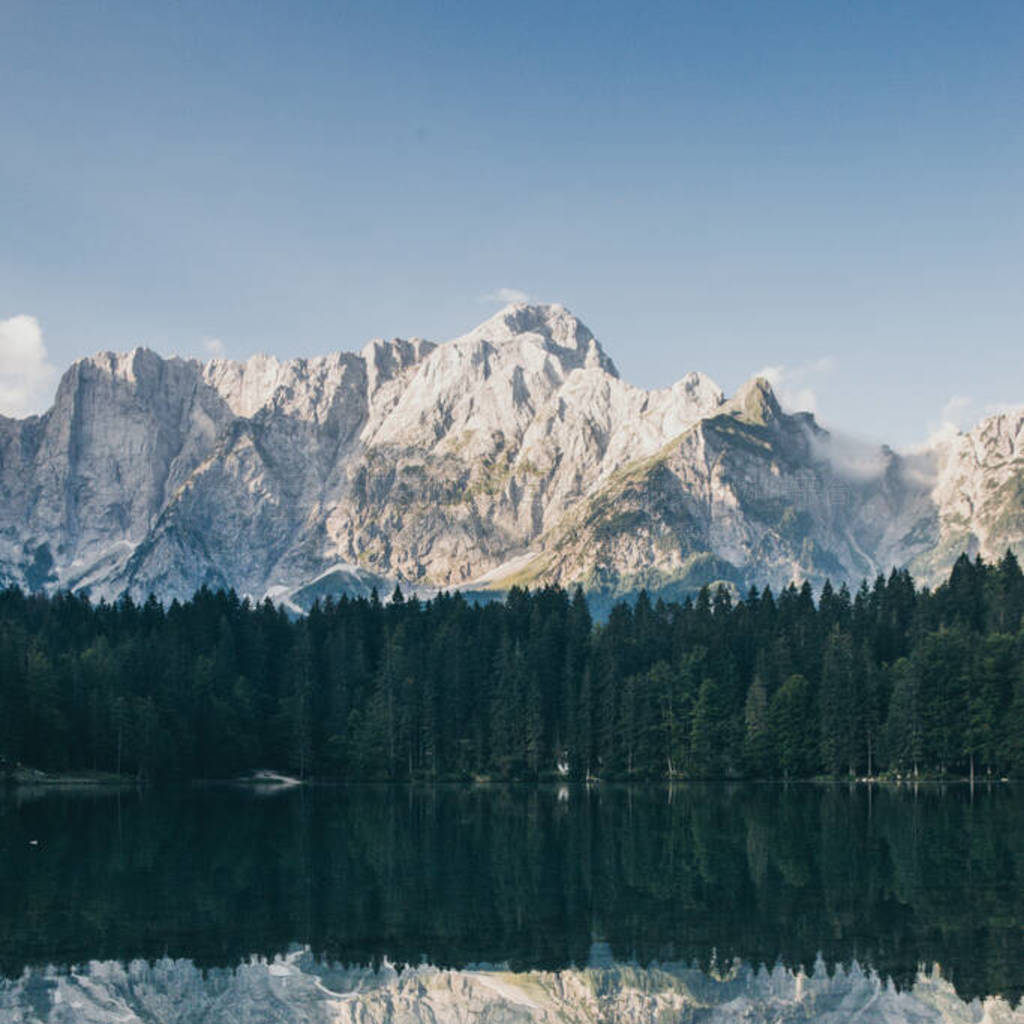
[(757, 739), (790, 713), (299, 711), (708, 743), (942, 660), (990, 692), (838, 703), (904, 730), (1012, 746)]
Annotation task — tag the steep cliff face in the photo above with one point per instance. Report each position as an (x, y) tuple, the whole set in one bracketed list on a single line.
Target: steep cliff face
[(979, 494), (514, 453), (408, 461), (749, 495), (83, 484)]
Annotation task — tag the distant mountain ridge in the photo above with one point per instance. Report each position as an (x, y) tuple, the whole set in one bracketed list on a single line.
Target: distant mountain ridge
[(513, 454)]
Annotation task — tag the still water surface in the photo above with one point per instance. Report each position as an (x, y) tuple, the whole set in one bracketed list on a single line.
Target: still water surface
[(690, 902)]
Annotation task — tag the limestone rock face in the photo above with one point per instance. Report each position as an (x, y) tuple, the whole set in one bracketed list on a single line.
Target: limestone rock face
[(979, 494), (514, 453)]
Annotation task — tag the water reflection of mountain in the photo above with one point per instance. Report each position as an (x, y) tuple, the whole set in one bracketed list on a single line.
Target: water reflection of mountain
[(296, 988), (457, 876)]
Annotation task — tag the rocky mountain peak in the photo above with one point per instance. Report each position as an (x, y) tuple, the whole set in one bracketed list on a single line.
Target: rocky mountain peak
[(385, 360), (550, 327), (134, 367), (755, 402)]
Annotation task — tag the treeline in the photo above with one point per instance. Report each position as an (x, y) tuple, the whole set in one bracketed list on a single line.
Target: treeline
[(891, 678)]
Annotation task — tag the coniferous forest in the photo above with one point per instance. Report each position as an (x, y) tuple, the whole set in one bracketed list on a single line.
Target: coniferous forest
[(891, 679)]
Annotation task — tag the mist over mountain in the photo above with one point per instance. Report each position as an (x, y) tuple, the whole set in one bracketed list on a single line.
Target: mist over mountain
[(513, 454)]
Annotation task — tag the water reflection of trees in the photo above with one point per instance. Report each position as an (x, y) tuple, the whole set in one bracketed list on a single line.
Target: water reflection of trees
[(463, 875)]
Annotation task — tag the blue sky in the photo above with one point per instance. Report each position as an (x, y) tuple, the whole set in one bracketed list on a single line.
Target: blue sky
[(835, 190)]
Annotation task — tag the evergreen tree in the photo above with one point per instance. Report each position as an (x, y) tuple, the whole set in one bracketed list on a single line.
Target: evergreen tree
[(708, 744), (1012, 746), (904, 728), (757, 739), (789, 715), (838, 705)]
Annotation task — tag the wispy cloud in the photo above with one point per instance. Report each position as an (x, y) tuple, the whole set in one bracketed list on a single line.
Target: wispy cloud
[(213, 347), (797, 390), (961, 414), (26, 375), (506, 296), (851, 458), (796, 386), (955, 417)]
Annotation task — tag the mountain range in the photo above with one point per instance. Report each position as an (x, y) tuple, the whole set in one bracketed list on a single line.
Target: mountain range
[(514, 454)]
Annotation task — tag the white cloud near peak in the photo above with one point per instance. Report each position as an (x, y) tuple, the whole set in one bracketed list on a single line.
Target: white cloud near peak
[(214, 348), (506, 296), (953, 419), (796, 386), (961, 414), (26, 375)]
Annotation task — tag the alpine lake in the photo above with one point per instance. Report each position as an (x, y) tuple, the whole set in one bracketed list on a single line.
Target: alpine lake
[(498, 903)]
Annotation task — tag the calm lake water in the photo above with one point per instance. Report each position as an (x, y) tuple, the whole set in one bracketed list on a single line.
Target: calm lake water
[(657, 903)]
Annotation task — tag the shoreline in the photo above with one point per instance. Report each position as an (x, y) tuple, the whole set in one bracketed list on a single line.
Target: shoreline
[(267, 780), (30, 778)]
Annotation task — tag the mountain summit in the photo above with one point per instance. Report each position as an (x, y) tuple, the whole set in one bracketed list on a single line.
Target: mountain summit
[(511, 454), (551, 328)]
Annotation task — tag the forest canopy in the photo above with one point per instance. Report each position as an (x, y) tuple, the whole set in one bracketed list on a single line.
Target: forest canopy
[(891, 679)]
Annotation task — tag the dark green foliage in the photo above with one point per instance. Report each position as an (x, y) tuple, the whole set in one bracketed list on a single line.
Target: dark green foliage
[(903, 732), (838, 703), (891, 679), (791, 715)]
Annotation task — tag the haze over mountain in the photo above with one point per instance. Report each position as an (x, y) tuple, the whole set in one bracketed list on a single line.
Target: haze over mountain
[(513, 454)]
